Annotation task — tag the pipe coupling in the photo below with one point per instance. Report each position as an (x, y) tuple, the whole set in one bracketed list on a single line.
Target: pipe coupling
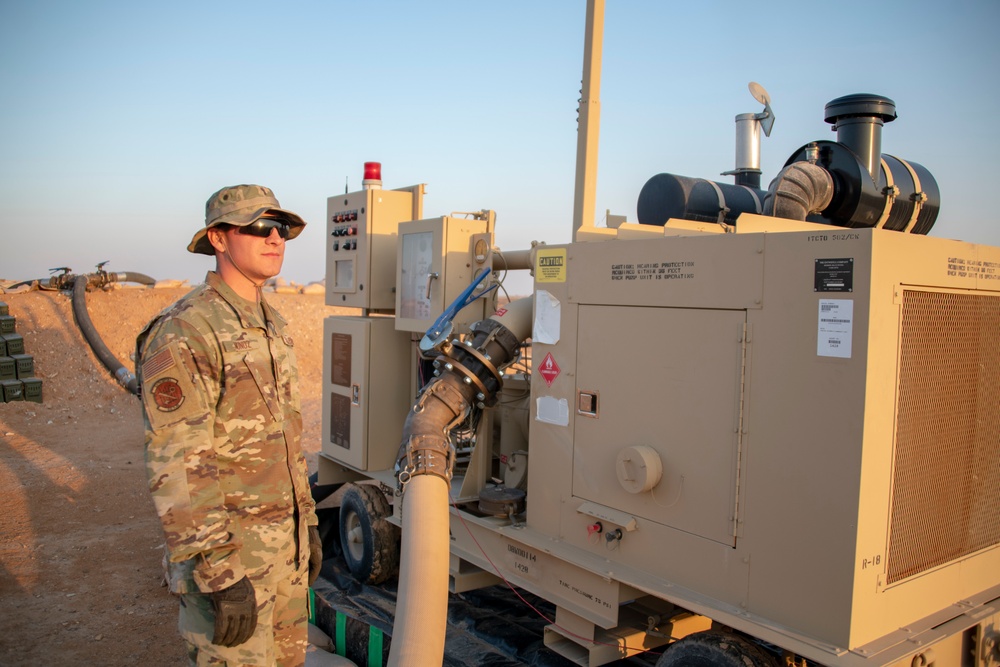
[(491, 333), (480, 360), (446, 393), (124, 377), (426, 455)]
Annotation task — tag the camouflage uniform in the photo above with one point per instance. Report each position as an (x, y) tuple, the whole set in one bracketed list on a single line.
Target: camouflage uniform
[(225, 467)]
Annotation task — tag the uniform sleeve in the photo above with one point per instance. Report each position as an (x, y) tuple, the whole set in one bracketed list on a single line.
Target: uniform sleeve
[(180, 378), (308, 504)]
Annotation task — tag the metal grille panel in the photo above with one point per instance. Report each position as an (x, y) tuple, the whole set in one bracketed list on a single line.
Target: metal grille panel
[(946, 477)]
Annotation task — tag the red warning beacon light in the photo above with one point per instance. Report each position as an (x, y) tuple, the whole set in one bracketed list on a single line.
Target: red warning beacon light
[(373, 175)]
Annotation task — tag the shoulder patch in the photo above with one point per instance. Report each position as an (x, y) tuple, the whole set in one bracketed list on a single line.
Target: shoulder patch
[(167, 394)]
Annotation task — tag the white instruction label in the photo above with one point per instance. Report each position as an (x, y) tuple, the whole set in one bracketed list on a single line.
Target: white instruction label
[(835, 329), (547, 318), (552, 410)]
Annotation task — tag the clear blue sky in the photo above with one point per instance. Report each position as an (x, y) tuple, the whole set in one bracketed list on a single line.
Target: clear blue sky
[(118, 119)]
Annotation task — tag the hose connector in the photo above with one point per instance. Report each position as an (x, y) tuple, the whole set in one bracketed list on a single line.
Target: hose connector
[(125, 377), (469, 373), (426, 455)]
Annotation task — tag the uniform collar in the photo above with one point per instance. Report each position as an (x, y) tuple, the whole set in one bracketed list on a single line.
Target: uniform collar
[(247, 311)]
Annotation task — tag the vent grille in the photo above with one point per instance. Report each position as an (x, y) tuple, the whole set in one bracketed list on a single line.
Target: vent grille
[(946, 478)]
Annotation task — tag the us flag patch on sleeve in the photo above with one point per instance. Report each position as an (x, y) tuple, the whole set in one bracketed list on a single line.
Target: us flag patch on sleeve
[(159, 363)]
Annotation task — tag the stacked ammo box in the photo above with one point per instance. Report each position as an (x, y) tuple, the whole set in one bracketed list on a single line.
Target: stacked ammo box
[(17, 369)]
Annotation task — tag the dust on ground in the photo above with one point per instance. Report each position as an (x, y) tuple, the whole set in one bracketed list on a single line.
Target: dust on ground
[(80, 542)]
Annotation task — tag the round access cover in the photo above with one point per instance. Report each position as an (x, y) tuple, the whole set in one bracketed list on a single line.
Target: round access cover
[(639, 468)]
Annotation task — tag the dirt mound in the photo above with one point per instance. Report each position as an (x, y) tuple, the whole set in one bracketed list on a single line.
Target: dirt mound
[(80, 543)]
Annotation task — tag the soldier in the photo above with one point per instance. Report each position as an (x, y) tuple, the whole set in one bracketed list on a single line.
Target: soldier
[(223, 452)]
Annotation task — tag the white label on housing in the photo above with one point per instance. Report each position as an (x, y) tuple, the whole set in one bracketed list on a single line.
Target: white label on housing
[(547, 318), (552, 410), (835, 328)]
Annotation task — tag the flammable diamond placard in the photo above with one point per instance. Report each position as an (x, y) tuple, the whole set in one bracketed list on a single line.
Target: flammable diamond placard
[(549, 369)]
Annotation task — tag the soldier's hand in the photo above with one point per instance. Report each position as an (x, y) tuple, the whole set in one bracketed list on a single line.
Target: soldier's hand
[(235, 613), (315, 554)]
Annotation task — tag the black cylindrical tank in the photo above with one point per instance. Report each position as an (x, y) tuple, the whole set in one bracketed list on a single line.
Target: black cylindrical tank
[(860, 201), (914, 183), (666, 196)]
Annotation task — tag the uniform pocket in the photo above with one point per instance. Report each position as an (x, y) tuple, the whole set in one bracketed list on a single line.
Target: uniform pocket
[(244, 411), (260, 370)]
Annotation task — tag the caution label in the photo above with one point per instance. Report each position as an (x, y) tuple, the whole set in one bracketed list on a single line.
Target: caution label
[(550, 265), (963, 267), (666, 270)]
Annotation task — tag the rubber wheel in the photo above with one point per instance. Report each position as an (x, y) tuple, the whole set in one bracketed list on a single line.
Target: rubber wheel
[(715, 648), (369, 541)]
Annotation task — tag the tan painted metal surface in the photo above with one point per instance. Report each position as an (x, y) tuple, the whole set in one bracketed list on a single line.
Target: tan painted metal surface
[(712, 351)]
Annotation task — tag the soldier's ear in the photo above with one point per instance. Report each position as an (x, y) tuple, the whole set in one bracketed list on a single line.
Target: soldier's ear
[(217, 237)]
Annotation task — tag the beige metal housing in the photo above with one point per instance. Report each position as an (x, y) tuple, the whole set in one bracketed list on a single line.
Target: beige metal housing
[(792, 431), (834, 481)]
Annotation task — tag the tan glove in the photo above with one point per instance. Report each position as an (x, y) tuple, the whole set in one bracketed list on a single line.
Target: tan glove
[(235, 613), (315, 554)]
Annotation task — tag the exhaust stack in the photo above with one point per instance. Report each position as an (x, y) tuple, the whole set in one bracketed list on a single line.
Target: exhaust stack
[(748, 129)]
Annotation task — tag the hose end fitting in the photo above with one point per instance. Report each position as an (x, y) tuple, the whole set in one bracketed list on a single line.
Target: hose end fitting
[(124, 376), (425, 455)]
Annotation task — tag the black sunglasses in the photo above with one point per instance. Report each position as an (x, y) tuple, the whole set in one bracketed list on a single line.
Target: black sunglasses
[(263, 226)]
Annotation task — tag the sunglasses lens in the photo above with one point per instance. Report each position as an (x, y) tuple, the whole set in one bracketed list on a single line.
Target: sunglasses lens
[(263, 227)]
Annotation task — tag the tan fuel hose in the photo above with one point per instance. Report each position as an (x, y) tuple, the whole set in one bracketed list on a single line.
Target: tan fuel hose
[(422, 598), (418, 633)]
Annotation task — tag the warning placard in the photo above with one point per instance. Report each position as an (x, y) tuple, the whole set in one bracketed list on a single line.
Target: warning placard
[(550, 265), (549, 369), (963, 267)]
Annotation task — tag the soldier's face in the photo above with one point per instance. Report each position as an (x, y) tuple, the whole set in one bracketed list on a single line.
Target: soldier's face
[(260, 258)]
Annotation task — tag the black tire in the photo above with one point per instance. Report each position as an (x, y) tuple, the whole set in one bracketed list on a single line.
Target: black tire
[(715, 648), (369, 541)]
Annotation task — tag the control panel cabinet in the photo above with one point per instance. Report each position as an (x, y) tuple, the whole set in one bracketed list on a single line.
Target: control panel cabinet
[(438, 258), (361, 246), (365, 401)]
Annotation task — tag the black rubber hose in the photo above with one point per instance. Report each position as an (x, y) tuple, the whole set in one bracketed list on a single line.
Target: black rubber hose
[(35, 283), (131, 277), (124, 376)]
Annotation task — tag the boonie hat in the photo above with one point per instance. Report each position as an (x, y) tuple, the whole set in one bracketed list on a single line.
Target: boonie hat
[(241, 205)]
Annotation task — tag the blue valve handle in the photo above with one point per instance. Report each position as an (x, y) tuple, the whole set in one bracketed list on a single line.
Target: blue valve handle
[(442, 325)]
